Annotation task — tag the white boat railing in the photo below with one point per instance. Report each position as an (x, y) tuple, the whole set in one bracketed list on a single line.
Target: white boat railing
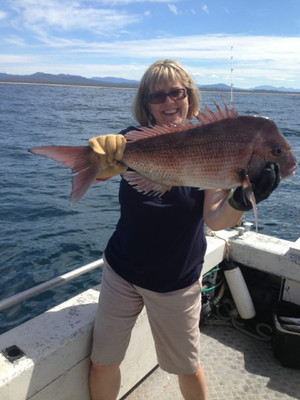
[(290, 258), (58, 280)]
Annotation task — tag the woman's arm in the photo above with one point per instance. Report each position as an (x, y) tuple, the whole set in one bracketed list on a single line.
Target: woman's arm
[(217, 212), (220, 214)]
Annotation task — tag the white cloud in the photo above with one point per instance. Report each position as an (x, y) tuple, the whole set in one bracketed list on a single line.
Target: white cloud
[(7, 59), (204, 7), (272, 51), (173, 9), (255, 58), (40, 17), (14, 40), (127, 2), (199, 48), (3, 15)]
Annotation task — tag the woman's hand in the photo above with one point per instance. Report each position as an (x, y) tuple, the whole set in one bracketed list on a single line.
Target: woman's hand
[(220, 212), (262, 187), (110, 149)]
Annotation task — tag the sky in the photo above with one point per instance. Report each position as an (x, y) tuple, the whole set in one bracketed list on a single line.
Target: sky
[(248, 43)]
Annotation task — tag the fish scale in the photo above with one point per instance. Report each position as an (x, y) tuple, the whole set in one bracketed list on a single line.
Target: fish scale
[(201, 156), (223, 151)]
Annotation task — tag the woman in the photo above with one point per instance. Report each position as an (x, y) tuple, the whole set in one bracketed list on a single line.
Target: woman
[(155, 256)]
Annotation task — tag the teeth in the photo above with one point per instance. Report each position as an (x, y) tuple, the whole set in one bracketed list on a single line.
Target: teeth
[(170, 112)]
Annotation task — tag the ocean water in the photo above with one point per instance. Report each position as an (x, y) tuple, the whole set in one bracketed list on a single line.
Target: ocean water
[(42, 235)]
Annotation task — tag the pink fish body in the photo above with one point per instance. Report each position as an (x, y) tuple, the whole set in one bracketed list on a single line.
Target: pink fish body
[(214, 154)]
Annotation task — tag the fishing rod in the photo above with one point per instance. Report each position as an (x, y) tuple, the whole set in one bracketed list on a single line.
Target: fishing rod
[(231, 75)]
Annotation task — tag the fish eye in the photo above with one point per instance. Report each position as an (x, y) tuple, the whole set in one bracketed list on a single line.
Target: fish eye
[(276, 151)]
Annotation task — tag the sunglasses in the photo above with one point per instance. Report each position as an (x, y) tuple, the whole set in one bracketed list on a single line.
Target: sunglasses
[(160, 97)]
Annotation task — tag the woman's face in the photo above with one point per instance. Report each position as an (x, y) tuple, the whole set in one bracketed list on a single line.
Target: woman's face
[(170, 112)]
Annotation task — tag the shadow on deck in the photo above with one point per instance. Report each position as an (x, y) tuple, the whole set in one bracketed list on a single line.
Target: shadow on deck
[(237, 367)]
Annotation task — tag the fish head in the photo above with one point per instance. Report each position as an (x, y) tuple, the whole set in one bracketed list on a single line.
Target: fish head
[(272, 146)]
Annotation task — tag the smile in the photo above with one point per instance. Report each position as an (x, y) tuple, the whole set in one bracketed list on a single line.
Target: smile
[(170, 112)]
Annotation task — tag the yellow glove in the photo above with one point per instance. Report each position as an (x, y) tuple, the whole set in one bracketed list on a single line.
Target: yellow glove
[(110, 149)]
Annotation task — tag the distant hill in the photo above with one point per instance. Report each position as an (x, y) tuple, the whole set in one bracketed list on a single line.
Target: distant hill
[(109, 81), (222, 86), (63, 79), (217, 86), (40, 77), (277, 89)]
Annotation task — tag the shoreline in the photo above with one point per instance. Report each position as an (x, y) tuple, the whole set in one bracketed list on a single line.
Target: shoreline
[(100, 86), (132, 86)]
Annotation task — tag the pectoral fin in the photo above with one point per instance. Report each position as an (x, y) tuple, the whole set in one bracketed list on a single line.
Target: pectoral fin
[(144, 185)]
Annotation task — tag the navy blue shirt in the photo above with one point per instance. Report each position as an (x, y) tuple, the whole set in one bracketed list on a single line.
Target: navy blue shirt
[(159, 242)]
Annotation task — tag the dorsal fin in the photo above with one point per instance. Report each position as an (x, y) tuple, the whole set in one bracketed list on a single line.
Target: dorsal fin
[(156, 130), (207, 116)]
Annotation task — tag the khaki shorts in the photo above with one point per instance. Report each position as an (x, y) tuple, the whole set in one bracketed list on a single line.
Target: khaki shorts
[(173, 317)]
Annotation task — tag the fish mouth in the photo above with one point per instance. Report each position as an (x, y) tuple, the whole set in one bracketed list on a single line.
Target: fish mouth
[(291, 172)]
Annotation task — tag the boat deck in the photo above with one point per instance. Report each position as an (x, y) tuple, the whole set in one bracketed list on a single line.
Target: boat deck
[(237, 367)]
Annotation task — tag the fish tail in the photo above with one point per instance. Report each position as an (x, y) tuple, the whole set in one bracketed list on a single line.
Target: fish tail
[(81, 182), (83, 161)]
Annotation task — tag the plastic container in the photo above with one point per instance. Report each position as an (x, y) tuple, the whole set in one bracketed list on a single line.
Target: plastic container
[(239, 291)]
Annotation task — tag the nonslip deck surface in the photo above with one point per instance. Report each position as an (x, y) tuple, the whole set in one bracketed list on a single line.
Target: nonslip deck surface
[(237, 367)]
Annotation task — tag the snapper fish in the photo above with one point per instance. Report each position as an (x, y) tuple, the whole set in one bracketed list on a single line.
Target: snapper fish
[(223, 151)]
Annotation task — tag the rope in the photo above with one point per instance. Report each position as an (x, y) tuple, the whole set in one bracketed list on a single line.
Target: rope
[(227, 245)]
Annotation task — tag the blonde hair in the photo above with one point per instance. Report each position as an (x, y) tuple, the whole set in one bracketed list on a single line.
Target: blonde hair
[(156, 75)]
